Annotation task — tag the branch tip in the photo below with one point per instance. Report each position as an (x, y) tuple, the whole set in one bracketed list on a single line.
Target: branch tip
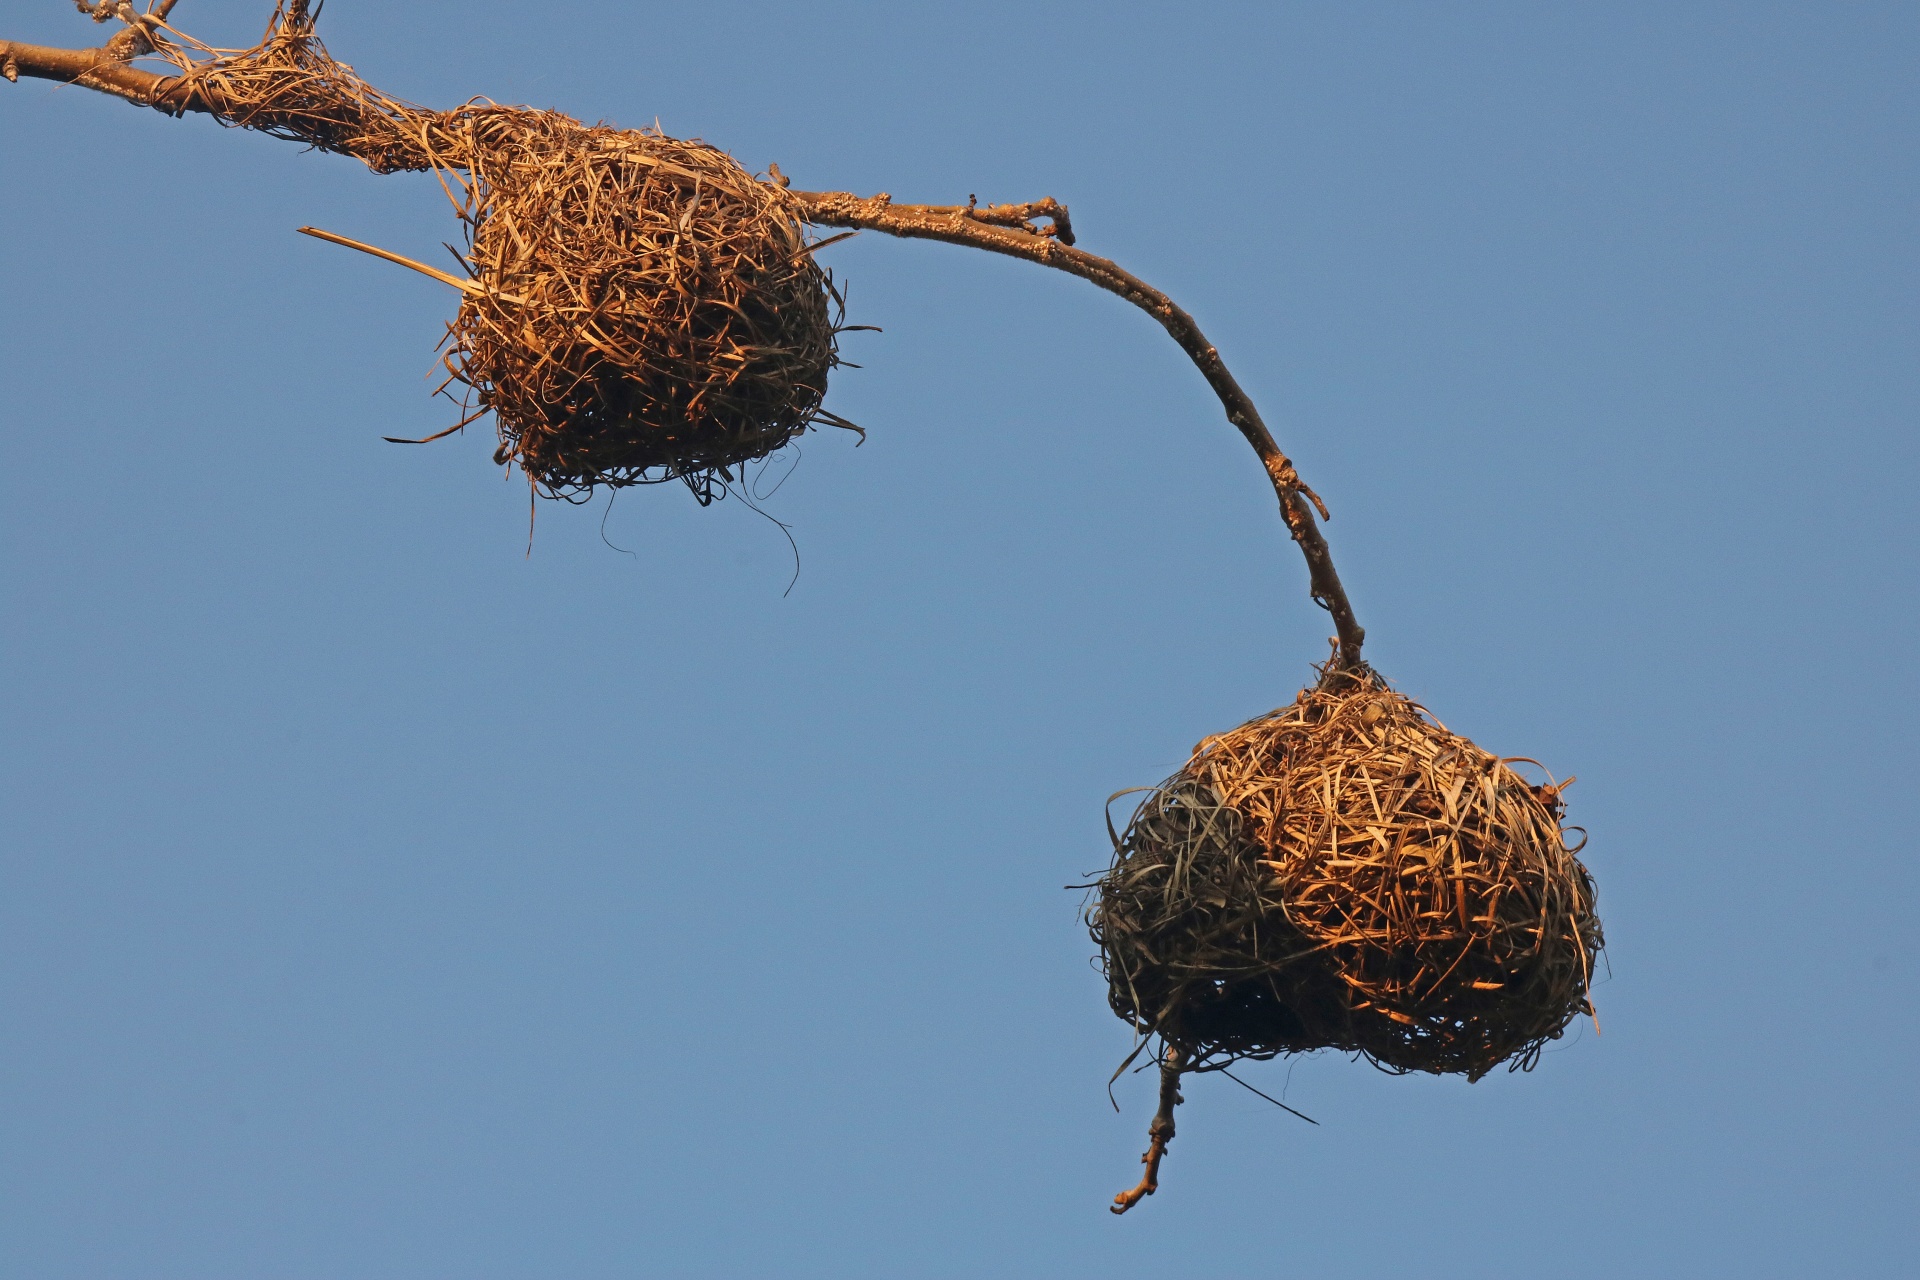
[(1159, 1133)]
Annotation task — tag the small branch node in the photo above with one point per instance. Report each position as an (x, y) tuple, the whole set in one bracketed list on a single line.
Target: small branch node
[(127, 45)]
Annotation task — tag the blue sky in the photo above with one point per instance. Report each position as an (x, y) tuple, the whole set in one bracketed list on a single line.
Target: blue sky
[(379, 900)]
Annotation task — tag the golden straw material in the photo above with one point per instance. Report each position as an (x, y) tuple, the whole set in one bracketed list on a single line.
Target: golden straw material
[(1345, 873), (640, 307)]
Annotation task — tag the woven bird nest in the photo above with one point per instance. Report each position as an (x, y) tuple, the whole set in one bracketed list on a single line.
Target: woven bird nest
[(1345, 873), (636, 308)]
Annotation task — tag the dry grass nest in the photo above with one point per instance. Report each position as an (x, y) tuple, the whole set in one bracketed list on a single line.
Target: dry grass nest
[(636, 308), (1345, 873)]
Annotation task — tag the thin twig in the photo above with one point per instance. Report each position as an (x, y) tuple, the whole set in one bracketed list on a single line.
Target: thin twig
[(1159, 1133), (1007, 229)]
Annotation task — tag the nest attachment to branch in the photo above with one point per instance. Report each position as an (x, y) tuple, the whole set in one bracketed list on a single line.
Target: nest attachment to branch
[(636, 308), (1345, 873)]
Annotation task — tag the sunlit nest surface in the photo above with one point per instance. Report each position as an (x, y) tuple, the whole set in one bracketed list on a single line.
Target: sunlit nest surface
[(1345, 873)]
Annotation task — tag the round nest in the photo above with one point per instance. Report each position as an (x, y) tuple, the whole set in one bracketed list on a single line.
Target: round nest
[(636, 308), (1345, 873), (648, 311)]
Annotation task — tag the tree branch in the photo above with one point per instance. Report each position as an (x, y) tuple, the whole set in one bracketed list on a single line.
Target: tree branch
[(104, 69), (1159, 1133), (1007, 229), (1004, 229)]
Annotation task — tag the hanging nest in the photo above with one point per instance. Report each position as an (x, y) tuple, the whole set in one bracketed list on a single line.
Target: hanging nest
[(636, 308), (1345, 873)]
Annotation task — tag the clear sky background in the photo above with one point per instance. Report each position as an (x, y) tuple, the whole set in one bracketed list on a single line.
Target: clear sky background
[(376, 900)]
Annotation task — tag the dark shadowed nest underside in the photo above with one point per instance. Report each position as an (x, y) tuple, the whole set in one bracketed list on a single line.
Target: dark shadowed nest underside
[(1344, 873), (635, 308)]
